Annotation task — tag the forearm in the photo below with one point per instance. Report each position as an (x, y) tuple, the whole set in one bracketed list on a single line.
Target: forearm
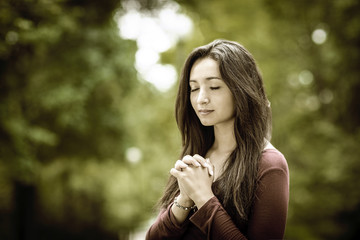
[(213, 220), (166, 226)]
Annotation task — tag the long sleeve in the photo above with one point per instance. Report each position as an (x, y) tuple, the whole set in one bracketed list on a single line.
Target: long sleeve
[(270, 207), (269, 211), (166, 226), (266, 221), (214, 222)]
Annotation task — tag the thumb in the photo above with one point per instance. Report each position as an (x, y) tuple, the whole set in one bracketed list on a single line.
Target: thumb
[(211, 167)]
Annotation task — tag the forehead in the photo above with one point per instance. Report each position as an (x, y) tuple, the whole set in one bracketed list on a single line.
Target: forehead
[(204, 68)]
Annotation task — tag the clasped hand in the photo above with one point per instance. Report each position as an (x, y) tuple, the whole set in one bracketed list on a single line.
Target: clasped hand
[(195, 176)]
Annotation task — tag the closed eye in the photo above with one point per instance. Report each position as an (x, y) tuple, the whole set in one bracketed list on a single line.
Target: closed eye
[(194, 89), (214, 88)]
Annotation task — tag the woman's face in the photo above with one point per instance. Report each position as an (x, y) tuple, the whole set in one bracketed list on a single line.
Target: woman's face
[(210, 97)]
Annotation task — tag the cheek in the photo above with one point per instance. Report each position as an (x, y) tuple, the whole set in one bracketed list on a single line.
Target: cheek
[(192, 100), (230, 106)]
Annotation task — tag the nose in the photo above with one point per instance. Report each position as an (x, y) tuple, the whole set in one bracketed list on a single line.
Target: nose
[(203, 97)]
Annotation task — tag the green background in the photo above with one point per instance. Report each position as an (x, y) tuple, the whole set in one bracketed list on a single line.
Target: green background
[(72, 104)]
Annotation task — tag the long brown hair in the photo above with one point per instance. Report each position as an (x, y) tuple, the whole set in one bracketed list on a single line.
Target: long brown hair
[(235, 188)]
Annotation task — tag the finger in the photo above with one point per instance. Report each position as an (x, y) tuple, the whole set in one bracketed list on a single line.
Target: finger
[(201, 160), (175, 172), (180, 165), (211, 167), (189, 160)]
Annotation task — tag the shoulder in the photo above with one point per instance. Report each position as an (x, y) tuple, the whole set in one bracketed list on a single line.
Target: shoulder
[(272, 160)]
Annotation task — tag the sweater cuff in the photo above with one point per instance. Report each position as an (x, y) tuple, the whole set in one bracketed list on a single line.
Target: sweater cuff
[(203, 218)]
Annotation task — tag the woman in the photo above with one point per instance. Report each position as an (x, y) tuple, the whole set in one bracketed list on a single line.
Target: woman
[(231, 183)]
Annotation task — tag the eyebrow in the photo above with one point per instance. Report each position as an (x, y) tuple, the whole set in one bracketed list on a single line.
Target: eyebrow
[(208, 78)]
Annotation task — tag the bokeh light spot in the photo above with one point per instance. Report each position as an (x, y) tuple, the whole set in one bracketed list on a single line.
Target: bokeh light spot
[(319, 36), (306, 77), (133, 155)]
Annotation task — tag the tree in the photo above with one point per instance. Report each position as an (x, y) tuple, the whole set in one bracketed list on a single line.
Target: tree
[(64, 74)]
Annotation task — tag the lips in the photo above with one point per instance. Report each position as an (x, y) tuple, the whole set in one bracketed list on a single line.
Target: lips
[(205, 111)]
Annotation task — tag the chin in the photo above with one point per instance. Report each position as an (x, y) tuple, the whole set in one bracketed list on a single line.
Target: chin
[(207, 124)]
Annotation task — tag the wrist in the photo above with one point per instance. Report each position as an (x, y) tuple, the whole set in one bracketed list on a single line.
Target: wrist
[(179, 207), (185, 208), (184, 201), (201, 200)]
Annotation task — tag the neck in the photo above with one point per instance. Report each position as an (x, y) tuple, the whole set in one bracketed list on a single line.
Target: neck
[(224, 138)]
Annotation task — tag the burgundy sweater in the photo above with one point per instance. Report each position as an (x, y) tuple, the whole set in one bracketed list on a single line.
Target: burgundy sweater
[(211, 221)]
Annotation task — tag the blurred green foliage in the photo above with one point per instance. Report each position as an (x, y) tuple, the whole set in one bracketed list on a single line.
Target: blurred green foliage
[(72, 107)]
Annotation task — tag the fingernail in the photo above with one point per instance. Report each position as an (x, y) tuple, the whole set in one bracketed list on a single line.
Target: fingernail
[(211, 173), (198, 164)]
